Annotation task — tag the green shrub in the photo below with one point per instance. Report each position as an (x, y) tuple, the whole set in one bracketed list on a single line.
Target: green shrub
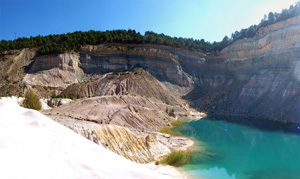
[(32, 101), (176, 123), (176, 158), (66, 96), (168, 130)]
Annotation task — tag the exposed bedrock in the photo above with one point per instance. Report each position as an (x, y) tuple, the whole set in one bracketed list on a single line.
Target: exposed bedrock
[(128, 111), (13, 66), (136, 82), (141, 147), (54, 71), (255, 78), (159, 62)]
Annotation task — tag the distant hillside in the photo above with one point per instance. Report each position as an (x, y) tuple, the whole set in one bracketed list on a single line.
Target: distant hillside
[(54, 44)]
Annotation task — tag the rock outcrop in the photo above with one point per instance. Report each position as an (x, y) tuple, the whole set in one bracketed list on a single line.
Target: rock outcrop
[(159, 61), (13, 67), (279, 41), (54, 71), (13, 63), (141, 147), (136, 82), (55, 102), (255, 78), (128, 111)]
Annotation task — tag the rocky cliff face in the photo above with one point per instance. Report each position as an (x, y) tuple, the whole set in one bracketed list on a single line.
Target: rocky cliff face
[(54, 71), (61, 70), (279, 41), (158, 61), (13, 66), (256, 77)]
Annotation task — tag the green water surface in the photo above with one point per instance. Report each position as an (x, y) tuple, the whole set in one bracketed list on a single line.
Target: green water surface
[(227, 150)]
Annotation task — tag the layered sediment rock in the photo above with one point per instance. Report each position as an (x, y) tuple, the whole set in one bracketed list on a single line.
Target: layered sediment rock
[(127, 111), (256, 77), (141, 147), (136, 82), (158, 61), (54, 71), (279, 41), (14, 65)]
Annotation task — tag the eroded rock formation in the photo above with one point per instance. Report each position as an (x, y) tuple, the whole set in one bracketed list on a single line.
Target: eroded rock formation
[(137, 82), (138, 146), (127, 111), (255, 78), (54, 71)]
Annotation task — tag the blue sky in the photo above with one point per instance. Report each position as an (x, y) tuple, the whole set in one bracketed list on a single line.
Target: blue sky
[(199, 19)]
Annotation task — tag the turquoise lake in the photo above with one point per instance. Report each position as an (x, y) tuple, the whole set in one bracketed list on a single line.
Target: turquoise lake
[(228, 150)]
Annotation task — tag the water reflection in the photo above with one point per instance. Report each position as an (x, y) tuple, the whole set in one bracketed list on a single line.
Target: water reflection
[(243, 152)]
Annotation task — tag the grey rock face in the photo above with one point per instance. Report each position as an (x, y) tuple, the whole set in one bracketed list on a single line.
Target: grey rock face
[(252, 78), (54, 71), (255, 78), (160, 63)]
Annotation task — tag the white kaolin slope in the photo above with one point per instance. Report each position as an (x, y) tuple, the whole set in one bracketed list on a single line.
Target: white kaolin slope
[(34, 146)]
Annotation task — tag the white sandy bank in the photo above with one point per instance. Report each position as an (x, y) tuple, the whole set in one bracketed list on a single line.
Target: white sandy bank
[(34, 146)]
